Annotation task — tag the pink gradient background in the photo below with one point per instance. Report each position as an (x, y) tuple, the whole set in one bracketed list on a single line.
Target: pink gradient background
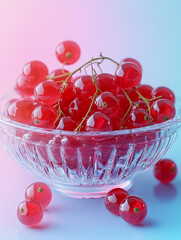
[(146, 30)]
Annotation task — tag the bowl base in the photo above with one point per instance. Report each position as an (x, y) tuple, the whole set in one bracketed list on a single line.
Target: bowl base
[(90, 191)]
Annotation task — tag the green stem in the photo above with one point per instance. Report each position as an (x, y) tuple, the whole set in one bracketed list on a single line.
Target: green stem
[(131, 103)]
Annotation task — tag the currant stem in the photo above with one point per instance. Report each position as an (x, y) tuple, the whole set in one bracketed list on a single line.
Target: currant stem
[(131, 103), (90, 107), (145, 100)]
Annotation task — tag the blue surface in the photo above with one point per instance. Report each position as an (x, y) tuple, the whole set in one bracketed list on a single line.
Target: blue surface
[(149, 31)]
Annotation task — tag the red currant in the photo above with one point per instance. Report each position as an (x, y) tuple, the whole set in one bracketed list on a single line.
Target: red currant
[(162, 110), (67, 96), (47, 93), (145, 90), (106, 83), (68, 52), (39, 192), (98, 122), (23, 88), (114, 198), (78, 109), (138, 118), (30, 213), (165, 170), (84, 87), (35, 72), (165, 93), (128, 75), (67, 123), (131, 60), (44, 116), (59, 72), (133, 210), (20, 111), (107, 103)]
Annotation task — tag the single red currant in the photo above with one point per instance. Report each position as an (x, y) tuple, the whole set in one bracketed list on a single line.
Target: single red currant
[(47, 93), (44, 116), (68, 52), (20, 111), (114, 198), (39, 192), (128, 75), (98, 122), (78, 109), (107, 103), (131, 60), (162, 110), (165, 93), (67, 96), (35, 72), (67, 123), (59, 72), (138, 118), (165, 170), (84, 87), (106, 83), (23, 88), (30, 213), (145, 90), (133, 210)]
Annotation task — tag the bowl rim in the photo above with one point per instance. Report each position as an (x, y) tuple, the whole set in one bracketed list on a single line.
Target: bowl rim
[(164, 125)]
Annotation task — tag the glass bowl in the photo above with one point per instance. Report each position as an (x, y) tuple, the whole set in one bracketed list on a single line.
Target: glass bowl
[(86, 164)]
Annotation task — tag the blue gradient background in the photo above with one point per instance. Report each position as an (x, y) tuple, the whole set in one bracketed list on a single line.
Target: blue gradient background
[(149, 31)]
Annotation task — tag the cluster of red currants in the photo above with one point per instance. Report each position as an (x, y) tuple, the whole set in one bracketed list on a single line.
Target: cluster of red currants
[(38, 196), (95, 102), (132, 208)]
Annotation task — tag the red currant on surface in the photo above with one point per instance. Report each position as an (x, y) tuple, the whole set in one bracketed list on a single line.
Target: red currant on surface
[(107, 103), (84, 87), (128, 75), (162, 110), (114, 198), (35, 72), (39, 192), (67, 123), (59, 72), (138, 118), (98, 122), (78, 109), (68, 52), (30, 213), (23, 88), (47, 93), (165, 93), (165, 170), (106, 83), (133, 210), (131, 60), (20, 111), (44, 116)]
